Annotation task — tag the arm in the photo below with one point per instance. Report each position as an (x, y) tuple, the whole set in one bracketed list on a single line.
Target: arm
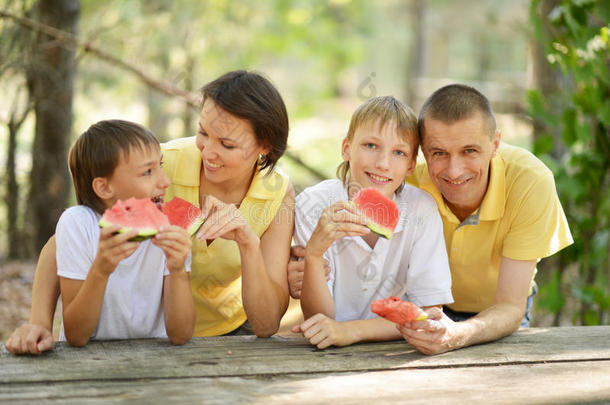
[(497, 321), (337, 221), (178, 305), (82, 300), (36, 336), (264, 260)]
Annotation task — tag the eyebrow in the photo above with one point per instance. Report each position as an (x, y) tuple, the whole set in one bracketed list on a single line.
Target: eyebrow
[(222, 139)]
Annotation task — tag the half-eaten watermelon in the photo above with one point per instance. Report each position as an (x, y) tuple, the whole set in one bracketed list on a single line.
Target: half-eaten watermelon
[(141, 214), (382, 212), (182, 213), (395, 310)]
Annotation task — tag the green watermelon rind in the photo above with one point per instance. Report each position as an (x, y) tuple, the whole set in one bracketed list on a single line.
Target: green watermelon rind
[(380, 230), (143, 234), (195, 225)]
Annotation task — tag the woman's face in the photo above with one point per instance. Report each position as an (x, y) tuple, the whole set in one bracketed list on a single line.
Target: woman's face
[(228, 145)]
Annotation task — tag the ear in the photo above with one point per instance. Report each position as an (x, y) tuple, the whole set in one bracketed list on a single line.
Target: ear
[(496, 143), (345, 149), (102, 188)]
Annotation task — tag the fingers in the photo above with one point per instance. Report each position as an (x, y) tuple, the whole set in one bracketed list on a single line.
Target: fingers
[(46, 343), (29, 339), (297, 252)]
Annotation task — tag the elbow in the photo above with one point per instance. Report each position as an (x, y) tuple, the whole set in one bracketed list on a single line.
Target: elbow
[(77, 341), (179, 340), (265, 331)]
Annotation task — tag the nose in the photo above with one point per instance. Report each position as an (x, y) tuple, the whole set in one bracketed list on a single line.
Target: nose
[(164, 181), (455, 168), (383, 161)]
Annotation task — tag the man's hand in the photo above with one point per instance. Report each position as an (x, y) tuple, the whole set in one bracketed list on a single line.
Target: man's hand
[(323, 332), (296, 268), (29, 339)]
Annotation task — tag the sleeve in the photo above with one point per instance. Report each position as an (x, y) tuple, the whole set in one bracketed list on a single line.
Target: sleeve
[(77, 237), (306, 216), (539, 227), (428, 276)]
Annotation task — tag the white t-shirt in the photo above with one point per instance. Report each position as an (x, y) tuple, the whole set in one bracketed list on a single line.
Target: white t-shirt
[(132, 306), (412, 264)]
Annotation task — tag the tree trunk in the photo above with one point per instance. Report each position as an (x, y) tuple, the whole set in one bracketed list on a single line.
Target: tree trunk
[(51, 74), (415, 63)]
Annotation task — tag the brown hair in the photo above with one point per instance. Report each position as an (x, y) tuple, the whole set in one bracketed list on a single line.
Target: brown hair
[(250, 96), (385, 110), (456, 102), (97, 151)]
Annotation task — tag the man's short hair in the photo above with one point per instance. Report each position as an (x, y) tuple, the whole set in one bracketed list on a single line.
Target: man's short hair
[(456, 102), (97, 153)]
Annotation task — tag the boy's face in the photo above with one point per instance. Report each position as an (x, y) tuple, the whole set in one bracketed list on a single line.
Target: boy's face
[(138, 175), (228, 145), (379, 157)]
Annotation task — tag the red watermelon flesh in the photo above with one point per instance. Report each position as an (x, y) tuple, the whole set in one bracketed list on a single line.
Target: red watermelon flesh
[(395, 310), (141, 214), (182, 213), (380, 210)]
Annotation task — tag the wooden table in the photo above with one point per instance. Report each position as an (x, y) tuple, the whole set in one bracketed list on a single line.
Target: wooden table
[(533, 366)]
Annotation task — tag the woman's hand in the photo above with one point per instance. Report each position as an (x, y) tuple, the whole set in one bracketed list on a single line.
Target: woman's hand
[(337, 221), (225, 221)]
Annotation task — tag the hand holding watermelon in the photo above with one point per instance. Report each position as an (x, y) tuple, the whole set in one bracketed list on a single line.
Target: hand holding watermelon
[(337, 221), (114, 247), (395, 310), (175, 242)]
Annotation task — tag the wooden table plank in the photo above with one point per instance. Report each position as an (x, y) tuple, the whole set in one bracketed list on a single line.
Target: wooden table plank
[(208, 357), (557, 383)]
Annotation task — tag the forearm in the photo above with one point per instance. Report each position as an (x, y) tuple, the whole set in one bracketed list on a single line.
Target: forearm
[(179, 308), (82, 314), (265, 301), (315, 297), (45, 289), (495, 322), (372, 330)]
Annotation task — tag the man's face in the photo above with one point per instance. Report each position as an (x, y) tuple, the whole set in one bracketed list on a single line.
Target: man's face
[(458, 157)]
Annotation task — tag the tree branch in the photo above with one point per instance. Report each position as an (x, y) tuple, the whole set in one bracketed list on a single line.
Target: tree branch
[(69, 40)]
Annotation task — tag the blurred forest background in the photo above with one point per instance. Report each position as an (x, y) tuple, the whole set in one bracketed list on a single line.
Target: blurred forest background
[(544, 64)]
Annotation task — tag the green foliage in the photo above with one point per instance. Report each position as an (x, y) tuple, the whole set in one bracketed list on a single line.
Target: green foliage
[(579, 47)]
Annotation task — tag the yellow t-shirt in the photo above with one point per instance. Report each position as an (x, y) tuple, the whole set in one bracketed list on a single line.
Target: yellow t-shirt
[(520, 218), (216, 269)]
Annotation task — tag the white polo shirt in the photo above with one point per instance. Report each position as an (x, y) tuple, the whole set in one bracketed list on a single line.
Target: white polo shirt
[(412, 264)]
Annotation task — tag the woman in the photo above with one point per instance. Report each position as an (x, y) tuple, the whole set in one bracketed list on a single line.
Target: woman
[(241, 252)]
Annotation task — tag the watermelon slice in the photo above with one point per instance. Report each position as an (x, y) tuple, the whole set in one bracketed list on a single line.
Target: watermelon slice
[(141, 214), (395, 310), (380, 210), (182, 213)]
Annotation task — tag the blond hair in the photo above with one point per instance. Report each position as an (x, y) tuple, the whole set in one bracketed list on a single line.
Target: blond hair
[(384, 110)]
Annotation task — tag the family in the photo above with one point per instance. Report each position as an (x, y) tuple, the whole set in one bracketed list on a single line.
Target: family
[(475, 218)]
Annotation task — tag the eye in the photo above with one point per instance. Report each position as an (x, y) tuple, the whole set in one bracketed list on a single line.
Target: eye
[(370, 145), (470, 150), (227, 146), (203, 133), (147, 172), (400, 153), (438, 153), (161, 163)]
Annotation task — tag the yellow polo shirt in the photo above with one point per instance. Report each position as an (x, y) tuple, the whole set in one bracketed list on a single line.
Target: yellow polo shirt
[(216, 269), (520, 218)]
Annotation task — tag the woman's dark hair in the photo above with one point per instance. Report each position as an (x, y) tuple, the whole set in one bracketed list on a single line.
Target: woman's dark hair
[(250, 96)]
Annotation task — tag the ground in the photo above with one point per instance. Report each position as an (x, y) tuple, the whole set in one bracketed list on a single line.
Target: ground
[(15, 295)]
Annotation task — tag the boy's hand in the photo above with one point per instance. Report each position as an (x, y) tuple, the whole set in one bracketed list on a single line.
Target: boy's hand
[(29, 339), (337, 221), (323, 332), (114, 247), (296, 268), (176, 244)]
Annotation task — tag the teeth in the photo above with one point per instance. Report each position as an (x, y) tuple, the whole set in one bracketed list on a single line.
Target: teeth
[(212, 165), (456, 182), (378, 178)]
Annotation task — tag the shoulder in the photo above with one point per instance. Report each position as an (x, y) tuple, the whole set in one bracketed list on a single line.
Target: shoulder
[(324, 193), (179, 144), (79, 214), (524, 172), (414, 198)]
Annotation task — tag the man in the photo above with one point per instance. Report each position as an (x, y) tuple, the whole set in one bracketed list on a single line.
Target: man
[(500, 214)]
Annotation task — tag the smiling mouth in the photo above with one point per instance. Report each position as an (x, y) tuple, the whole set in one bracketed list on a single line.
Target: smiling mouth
[(378, 179), (456, 182), (212, 165)]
